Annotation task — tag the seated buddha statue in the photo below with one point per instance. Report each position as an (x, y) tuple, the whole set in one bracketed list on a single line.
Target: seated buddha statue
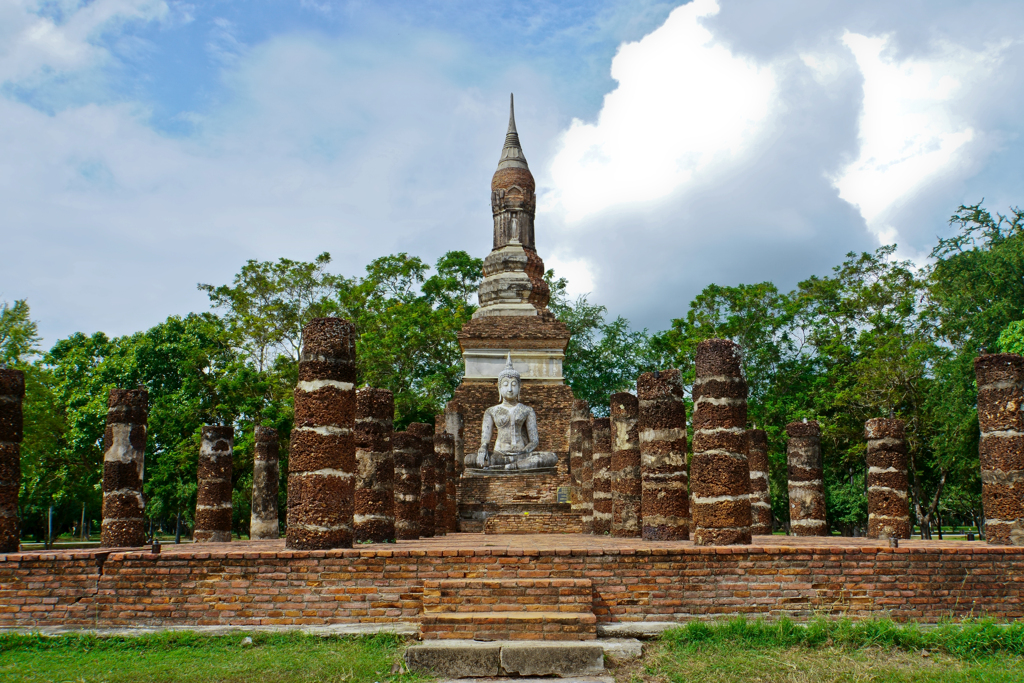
[(515, 447)]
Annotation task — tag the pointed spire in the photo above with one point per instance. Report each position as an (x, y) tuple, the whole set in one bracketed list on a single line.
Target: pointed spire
[(512, 153)]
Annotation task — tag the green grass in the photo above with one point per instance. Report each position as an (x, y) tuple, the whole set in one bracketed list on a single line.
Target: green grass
[(186, 656), (843, 650)]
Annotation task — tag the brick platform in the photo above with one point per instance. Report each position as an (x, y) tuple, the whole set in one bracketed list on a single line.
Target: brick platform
[(260, 583)]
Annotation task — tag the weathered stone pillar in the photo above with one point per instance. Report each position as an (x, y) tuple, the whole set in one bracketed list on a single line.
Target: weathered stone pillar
[(374, 517), (428, 477), (888, 505), (12, 393), (444, 451), (213, 501), (720, 475), (581, 459), (760, 496), (662, 431), (124, 457), (408, 452), (266, 474), (627, 496), (602, 439), (806, 485), (454, 424), (322, 461), (1000, 378)]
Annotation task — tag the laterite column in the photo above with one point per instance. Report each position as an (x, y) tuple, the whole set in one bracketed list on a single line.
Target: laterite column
[(720, 474), (213, 501), (662, 431), (581, 459), (428, 477), (322, 461), (602, 439), (12, 393), (454, 424), (806, 484), (374, 517), (266, 475), (444, 451), (124, 458), (408, 452), (888, 504), (760, 496), (1000, 378), (627, 494)]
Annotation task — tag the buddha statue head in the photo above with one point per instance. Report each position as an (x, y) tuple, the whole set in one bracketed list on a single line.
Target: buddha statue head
[(509, 382)]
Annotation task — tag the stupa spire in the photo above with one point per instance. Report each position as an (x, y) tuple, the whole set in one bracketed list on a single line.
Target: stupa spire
[(512, 153)]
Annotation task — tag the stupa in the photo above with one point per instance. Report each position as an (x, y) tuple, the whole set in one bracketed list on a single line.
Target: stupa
[(513, 324)]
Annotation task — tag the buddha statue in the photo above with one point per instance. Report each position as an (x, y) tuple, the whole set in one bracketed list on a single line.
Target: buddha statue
[(516, 442)]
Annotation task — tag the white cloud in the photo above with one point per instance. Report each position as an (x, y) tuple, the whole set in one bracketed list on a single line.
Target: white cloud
[(579, 273), (683, 102), (32, 43), (911, 132)]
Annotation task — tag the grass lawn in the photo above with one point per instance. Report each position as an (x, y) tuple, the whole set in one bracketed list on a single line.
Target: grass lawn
[(759, 652), (291, 657), (747, 651)]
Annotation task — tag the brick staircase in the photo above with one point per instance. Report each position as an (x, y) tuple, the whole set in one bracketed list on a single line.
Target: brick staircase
[(508, 609)]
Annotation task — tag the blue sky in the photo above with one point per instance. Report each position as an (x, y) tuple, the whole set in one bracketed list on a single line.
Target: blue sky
[(147, 146)]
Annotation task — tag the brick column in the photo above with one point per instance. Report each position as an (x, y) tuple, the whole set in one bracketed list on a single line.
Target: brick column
[(720, 475), (408, 452), (322, 461), (1000, 378), (888, 505), (124, 457), (806, 486), (602, 440), (626, 488), (662, 431), (760, 496), (12, 393), (374, 516), (581, 459), (428, 477), (213, 501), (263, 524), (444, 451)]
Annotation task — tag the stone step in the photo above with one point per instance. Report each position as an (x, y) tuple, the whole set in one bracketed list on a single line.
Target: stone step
[(507, 595), (494, 626), (466, 658)]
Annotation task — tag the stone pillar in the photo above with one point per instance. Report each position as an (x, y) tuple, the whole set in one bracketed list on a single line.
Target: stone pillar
[(760, 496), (627, 494), (374, 517), (662, 431), (720, 475), (266, 474), (428, 477), (888, 505), (602, 440), (124, 457), (1000, 378), (581, 459), (322, 461), (444, 451), (408, 452), (806, 486), (454, 424), (12, 393), (213, 501)]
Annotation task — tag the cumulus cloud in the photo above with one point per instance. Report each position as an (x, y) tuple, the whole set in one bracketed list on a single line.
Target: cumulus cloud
[(683, 102), (911, 128)]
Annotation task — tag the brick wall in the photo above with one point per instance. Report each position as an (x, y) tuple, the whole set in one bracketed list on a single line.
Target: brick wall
[(248, 587), (557, 523)]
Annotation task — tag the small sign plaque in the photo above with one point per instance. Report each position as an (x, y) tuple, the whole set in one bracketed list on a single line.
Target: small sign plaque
[(563, 494)]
